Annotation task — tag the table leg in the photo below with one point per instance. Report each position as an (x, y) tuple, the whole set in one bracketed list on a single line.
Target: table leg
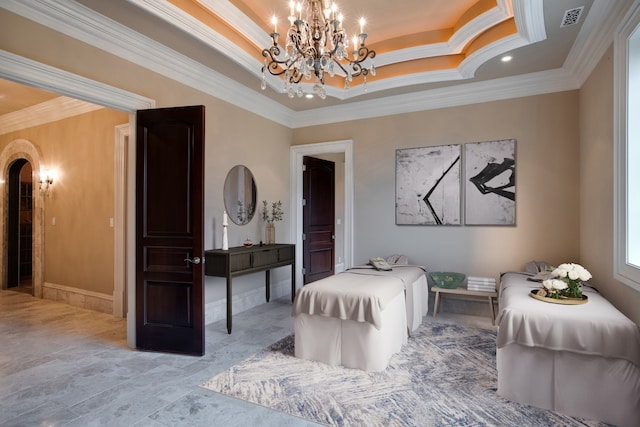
[(293, 281), (436, 304), (493, 313), (268, 284), (229, 304)]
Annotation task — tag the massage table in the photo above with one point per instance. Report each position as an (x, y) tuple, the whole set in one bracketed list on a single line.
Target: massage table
[(359, 318), (580, 360)]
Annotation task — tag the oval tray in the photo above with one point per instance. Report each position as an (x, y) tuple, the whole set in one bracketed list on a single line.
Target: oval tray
[(564, 301)]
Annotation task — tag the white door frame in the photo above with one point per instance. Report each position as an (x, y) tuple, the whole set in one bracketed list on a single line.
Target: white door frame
[(297, 154), (26, 71)]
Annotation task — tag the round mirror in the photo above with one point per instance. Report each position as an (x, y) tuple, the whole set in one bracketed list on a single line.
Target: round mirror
[(240, 195)]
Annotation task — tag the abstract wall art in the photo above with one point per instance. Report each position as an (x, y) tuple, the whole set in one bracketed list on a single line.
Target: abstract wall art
[(490, 182), (428, 185)]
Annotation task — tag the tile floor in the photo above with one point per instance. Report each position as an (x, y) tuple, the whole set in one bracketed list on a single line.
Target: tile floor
[(64, 366)]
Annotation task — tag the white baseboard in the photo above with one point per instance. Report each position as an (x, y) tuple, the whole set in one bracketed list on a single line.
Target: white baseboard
[(217, 310), (78, 297), (213, 311), (339, 268)]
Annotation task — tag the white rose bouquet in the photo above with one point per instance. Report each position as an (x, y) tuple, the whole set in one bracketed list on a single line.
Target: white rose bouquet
[(567, 281)]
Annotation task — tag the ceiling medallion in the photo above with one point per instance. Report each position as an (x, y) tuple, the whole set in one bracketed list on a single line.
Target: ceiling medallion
[(315, 46)]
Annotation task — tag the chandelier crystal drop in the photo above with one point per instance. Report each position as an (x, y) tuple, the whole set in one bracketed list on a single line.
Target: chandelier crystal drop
[(315, 46)]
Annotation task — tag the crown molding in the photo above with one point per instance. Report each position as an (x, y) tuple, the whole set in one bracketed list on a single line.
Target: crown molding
[(234, 17), (84, 24), (53, 110), (597, 35), (529, 17), (177, 17), (26, 71), (464, 94), (530, 14)]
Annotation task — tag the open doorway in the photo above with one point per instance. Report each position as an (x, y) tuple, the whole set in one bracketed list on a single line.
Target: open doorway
[(345, 243), (20, 227), (33, 73)]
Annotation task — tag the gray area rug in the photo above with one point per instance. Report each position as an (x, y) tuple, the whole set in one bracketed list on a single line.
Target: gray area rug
[(445, 376)]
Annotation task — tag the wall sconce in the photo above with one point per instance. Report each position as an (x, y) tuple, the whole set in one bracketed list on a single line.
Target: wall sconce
[(46, 180)]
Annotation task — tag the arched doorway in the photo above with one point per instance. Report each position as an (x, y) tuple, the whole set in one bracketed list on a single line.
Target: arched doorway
[(20, 227), (13, 159)]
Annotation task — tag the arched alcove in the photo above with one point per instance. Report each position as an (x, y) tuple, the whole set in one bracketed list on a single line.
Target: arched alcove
[(14, 151)]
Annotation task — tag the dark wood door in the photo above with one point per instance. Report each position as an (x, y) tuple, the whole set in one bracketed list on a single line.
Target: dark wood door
[(169, 230), (318, 217)]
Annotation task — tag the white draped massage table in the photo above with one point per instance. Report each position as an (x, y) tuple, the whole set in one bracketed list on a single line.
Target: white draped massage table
[(580, 360), (361, 317)]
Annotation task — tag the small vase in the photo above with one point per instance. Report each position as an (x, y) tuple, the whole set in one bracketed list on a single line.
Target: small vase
[(269, 233)]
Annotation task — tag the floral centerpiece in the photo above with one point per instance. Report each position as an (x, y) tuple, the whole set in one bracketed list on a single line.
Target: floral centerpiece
[(270, 217), (566, 282)]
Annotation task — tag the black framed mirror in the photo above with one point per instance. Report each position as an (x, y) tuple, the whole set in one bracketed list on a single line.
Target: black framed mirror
[(240, 195)]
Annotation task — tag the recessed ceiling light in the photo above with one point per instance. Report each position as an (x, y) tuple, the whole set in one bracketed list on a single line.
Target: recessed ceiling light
[(507, 58), (309, 96)]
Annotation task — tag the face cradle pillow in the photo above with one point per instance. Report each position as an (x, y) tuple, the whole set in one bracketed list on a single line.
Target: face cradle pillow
[(379, 264), (396, 259)]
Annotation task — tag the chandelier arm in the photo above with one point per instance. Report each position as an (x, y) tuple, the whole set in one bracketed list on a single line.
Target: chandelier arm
[(274, 65), (363, 54), (295, 76)]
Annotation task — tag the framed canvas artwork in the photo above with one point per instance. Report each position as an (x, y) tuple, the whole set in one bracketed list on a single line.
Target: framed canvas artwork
[(428, 185), (490, 182)]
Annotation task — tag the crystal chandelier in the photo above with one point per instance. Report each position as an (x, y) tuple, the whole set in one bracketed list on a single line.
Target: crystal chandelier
[(315, 46)]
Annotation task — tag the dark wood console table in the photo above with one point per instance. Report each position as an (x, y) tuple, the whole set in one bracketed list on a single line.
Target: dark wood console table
[(242, 260)]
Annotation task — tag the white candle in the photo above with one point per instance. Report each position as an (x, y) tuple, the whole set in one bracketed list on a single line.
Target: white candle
[(361, 25), (225, 222), (274, 21), (225, 239)]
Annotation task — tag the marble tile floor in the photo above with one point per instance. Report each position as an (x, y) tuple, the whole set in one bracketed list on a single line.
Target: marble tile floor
[(65, 366)]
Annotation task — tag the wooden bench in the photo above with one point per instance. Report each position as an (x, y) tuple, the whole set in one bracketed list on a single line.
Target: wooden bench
[(465, 292)]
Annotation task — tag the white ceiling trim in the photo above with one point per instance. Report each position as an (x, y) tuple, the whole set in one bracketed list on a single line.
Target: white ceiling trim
[(232, 15), (529, 17), (479, 25), (53, 110), (236, 19), (465, 94), (77, 21), (591, 45), (470, 65), (465, 70), (26, 71), (177, 17), (82, 23)]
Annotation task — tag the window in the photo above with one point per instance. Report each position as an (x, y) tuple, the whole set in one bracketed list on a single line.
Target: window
[(627, 152)]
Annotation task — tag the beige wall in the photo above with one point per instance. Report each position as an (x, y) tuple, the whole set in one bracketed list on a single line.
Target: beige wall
[(79, 247), (233, 136), (564, 179), (596, 187), (546, 130)]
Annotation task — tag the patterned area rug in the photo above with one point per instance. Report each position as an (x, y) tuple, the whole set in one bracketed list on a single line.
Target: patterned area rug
[(445, 376)]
